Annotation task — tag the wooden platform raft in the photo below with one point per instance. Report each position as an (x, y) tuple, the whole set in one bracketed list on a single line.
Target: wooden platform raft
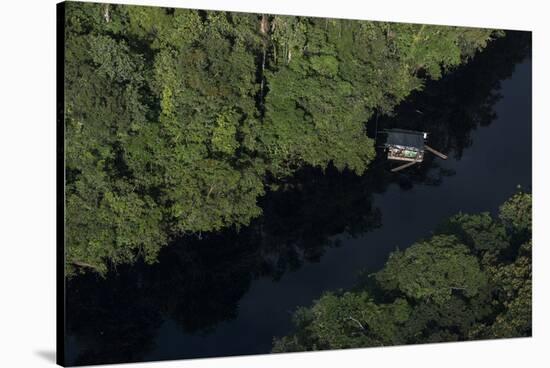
[(408, 146)]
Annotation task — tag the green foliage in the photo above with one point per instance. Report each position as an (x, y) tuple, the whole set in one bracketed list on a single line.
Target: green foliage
[(433, 270), (478, 231), (436, 290), (350, 320), (175, 118), (354, 320), (516, 213), (114, 60), (513, 283), (223, 136)]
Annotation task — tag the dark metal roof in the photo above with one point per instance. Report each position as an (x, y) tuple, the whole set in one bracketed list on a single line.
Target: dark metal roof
[(407, 138)]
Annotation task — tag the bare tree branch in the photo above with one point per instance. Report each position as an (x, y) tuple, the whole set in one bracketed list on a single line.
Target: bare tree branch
[(356, 321)]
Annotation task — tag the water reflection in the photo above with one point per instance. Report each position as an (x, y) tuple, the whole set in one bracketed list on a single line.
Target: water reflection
[(198, 283)]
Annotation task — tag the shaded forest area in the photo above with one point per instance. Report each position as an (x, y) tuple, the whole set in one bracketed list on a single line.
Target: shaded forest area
[(179, 121)]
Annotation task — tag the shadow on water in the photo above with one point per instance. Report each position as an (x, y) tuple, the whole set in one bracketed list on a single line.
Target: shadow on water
[(205, 296)]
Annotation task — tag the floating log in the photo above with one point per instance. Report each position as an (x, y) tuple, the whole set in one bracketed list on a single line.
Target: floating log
[(437, 153), (395, 169)]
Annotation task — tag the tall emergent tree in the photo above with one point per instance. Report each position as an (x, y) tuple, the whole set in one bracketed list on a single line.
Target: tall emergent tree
[(176, 119)]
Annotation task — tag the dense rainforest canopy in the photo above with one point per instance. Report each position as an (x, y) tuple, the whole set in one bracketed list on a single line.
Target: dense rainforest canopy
[(470, 280), (177, 121)]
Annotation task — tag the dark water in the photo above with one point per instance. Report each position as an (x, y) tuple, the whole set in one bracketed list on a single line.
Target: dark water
[(230, 293)]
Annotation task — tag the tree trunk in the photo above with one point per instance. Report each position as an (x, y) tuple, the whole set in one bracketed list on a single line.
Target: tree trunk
[(106, 14)]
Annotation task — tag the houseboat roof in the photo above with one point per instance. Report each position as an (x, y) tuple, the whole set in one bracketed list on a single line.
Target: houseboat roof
[(406, 138)]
